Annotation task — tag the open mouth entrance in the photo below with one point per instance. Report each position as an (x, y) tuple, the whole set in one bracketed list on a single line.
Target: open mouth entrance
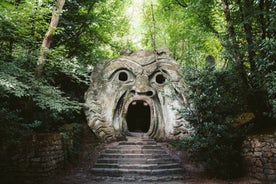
[(138, 116)]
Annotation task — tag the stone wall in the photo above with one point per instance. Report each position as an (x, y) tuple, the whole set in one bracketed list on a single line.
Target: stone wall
[(260, 157), (34, 159)]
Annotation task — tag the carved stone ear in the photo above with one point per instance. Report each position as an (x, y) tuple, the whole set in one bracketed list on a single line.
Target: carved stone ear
[(126, 52), (163, 51)]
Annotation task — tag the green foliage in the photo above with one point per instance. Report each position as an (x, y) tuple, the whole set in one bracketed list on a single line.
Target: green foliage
[(26, 100), (188, 29), (88, 31), (254, 36), (215, 99), (20, 83), (92, 30), (265, 77), (13, 127), (51, 98), (71, 134)]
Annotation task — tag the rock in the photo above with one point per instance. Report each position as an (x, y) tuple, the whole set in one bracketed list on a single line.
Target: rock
[(259, 163), (126, 94)]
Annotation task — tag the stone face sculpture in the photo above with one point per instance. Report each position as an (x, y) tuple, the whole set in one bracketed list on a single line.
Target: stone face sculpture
[(136, 93)]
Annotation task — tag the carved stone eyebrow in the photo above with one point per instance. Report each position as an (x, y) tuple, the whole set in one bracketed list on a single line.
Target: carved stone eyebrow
[(158, 70), (115, 65), (118, 70)]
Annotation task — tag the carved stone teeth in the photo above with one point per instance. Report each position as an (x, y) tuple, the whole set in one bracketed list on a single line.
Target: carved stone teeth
[(145, 104), (134, 103)]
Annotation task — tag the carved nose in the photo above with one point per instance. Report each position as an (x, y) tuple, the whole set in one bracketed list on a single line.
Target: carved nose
[(141, 87), (148, 92)]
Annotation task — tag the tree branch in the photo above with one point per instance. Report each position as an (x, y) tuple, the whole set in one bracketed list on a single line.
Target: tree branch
[(182, 4), (233, 44), (153, 36)]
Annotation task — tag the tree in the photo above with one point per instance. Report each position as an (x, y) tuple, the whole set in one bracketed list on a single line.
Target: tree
[(80, 39), (92, 30), (189, 30), (237, 33), (247, 41), (241, 36), (46, 43)]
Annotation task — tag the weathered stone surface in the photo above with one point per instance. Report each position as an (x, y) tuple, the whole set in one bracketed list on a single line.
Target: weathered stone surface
[(133, 160), (259, 155), (136, 93), (34, 159), (259, 163)]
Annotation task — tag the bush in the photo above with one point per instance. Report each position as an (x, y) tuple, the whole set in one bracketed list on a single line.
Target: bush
[(26, 100), (71, 136), (264, 79), (215, 99)]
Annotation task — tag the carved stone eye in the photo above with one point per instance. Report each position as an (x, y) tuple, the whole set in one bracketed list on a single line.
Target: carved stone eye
[(123, 76), (160, 78)]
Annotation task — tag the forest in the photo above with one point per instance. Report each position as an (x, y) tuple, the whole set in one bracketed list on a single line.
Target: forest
[(226, 49)]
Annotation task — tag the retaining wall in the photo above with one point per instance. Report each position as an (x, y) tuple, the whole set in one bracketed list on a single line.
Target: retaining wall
[(259, 153), (34, 159)]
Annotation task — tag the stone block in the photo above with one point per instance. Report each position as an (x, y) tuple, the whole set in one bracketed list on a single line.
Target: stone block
[(267, 154), (259, 176), (271, 178), (37, 159), (264, 160), (256, 144), (271, 166), (258, 163), (258, 154), (269, 172)]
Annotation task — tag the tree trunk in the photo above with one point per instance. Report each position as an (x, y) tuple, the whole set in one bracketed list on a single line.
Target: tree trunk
[(262, 19), (10, 55), (233, 44), (46, 43), (153, 35), (246, 9)]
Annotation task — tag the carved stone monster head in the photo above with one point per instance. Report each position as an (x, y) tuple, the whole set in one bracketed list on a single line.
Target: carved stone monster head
[(136, 93)]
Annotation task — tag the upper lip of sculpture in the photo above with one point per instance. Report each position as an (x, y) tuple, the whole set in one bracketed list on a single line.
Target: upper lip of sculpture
[(134, 99)]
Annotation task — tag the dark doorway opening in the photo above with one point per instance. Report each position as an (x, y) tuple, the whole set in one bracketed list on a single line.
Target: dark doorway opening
[(138, 117)]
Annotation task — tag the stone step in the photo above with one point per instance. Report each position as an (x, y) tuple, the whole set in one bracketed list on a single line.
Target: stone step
[(136, 179), (116, 172), (138, 143), (145, 151), (136, 147), (139, 166), (133, 155), (137, 160)]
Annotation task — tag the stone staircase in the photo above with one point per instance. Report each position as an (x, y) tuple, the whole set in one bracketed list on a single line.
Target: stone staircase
[(139, 159)]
